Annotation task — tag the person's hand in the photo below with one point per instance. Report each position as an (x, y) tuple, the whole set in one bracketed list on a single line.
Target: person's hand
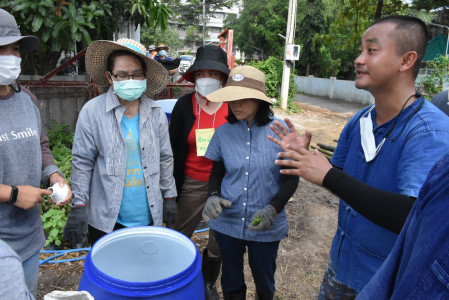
[(289, 137), (56, 177), (75, 230), (263, 219), (169, 212), (214, 207), (312, 166), (29, 196)]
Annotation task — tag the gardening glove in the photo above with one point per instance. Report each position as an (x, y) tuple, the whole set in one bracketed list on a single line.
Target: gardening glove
[(213, 207), (263, 219), (75, 230), (169, 212)]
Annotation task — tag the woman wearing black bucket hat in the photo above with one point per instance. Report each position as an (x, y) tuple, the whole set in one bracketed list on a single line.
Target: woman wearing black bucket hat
[(192, 123), (26, 162)]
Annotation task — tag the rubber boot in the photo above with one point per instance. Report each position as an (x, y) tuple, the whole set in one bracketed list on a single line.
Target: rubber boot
[(259, 296), (239, 294), (210, 269)]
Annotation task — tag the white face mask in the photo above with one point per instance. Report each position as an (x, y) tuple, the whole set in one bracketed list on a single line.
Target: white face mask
[(367, 137), (205, 86), (9, 69)]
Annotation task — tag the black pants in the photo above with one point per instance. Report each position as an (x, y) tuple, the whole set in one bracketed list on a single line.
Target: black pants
[(93, 234)]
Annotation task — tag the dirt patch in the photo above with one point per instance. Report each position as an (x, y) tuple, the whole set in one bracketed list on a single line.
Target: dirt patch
[(312, 218)]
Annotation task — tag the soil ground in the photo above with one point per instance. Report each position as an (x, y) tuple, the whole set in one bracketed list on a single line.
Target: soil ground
[(311, 213)]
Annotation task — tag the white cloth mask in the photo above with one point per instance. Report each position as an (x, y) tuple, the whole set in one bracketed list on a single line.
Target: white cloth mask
[(9, 69), (205, 86), (367, 137)]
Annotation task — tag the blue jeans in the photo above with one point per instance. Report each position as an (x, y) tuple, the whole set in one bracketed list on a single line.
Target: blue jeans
[(31, 272), (262, 261)]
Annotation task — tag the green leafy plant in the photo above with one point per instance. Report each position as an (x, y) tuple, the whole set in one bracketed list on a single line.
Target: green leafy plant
[(256, 220), (433, 83), (273, 68), (54, 221), (54, 217)]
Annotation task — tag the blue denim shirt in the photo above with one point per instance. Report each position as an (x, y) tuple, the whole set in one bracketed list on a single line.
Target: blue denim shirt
[(360, 246), (99, 159), (418, 265), (251, 181)]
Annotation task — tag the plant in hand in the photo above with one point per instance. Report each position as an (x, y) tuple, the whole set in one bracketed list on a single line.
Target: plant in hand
[(256, 220)]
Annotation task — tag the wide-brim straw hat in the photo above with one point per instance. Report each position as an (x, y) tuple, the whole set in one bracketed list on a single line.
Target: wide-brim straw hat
[(10, 33), (161, 46), (208, 57), (97, 58), (244, 82)]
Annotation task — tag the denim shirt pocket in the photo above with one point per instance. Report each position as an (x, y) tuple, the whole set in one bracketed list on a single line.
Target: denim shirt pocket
[(434, 282)]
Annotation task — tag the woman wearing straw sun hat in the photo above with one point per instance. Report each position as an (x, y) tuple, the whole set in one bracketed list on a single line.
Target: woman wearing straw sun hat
[(26, 163), (122, 168), (246, 207), (193, 117)]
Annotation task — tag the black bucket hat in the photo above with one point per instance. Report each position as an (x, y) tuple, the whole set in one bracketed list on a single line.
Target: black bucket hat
[(10, 33), (208, 57)]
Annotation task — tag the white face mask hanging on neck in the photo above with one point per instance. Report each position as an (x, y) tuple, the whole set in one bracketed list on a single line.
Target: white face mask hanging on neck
[(9, 69), (367, 137)]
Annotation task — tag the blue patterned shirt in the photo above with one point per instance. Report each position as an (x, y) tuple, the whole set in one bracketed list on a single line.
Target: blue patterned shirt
[(251, 181)]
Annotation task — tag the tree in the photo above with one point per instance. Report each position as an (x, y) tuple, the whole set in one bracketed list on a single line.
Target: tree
[(352, 19), (61, 24), (190, 12), (260, 28), (150, 36), (311, 22), (428, 4)]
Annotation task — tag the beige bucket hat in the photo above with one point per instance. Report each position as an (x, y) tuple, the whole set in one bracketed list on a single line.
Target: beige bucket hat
[(97, 58), (244, 82)]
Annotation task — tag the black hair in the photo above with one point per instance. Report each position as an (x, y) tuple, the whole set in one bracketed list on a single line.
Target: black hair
[(410, 34), (113, 55), (263, 115)]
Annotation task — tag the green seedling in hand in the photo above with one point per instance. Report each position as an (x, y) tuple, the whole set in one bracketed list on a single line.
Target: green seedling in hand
[(256, 220)]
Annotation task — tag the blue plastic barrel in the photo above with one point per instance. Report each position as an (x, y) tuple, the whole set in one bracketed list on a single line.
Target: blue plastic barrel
[(143, 263), (167, 106)]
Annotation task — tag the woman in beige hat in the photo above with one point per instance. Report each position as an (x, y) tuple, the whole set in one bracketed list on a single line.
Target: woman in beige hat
[(26, 162), (122, 172), (194, 117), (247, 193)]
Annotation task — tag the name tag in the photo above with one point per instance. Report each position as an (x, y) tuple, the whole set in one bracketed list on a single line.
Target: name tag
[(203, 137)]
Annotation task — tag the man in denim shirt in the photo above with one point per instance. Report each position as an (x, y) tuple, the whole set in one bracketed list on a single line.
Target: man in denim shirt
[(418, 265), (122, 158), (383, 156)]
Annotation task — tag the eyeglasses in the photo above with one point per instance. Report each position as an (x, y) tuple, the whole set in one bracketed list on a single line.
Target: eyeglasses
[(124, 76)]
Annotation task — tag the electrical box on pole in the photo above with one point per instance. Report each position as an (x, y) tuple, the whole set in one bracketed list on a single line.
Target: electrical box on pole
[(292, 52)]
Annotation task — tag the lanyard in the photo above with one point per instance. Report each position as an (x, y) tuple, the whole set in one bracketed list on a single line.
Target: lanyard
[(198, 112)]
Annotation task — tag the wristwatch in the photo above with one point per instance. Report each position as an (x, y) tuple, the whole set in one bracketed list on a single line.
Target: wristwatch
[(13, 196)]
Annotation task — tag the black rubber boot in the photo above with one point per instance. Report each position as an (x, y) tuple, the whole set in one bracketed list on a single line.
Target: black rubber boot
[(260, 296), (210, 269), (239, 294)]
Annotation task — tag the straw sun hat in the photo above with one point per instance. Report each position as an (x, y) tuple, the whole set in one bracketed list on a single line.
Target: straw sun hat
[(97, 58), (243, 83)]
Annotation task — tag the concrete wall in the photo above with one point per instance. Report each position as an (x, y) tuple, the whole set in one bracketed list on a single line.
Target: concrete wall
[(333, 88), (61, 103)]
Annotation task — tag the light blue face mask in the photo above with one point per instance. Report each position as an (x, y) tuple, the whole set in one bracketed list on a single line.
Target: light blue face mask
[(130, 90), (162, 53)]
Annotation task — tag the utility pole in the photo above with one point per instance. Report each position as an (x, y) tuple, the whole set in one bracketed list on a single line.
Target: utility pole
[(289, 40), (204, 22)]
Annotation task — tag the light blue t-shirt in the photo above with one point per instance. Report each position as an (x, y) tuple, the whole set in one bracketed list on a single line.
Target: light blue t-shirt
[(134, 209)]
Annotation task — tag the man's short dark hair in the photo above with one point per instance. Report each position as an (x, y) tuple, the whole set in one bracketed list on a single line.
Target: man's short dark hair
[(410, 34), (263, 115), (113, 55)]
